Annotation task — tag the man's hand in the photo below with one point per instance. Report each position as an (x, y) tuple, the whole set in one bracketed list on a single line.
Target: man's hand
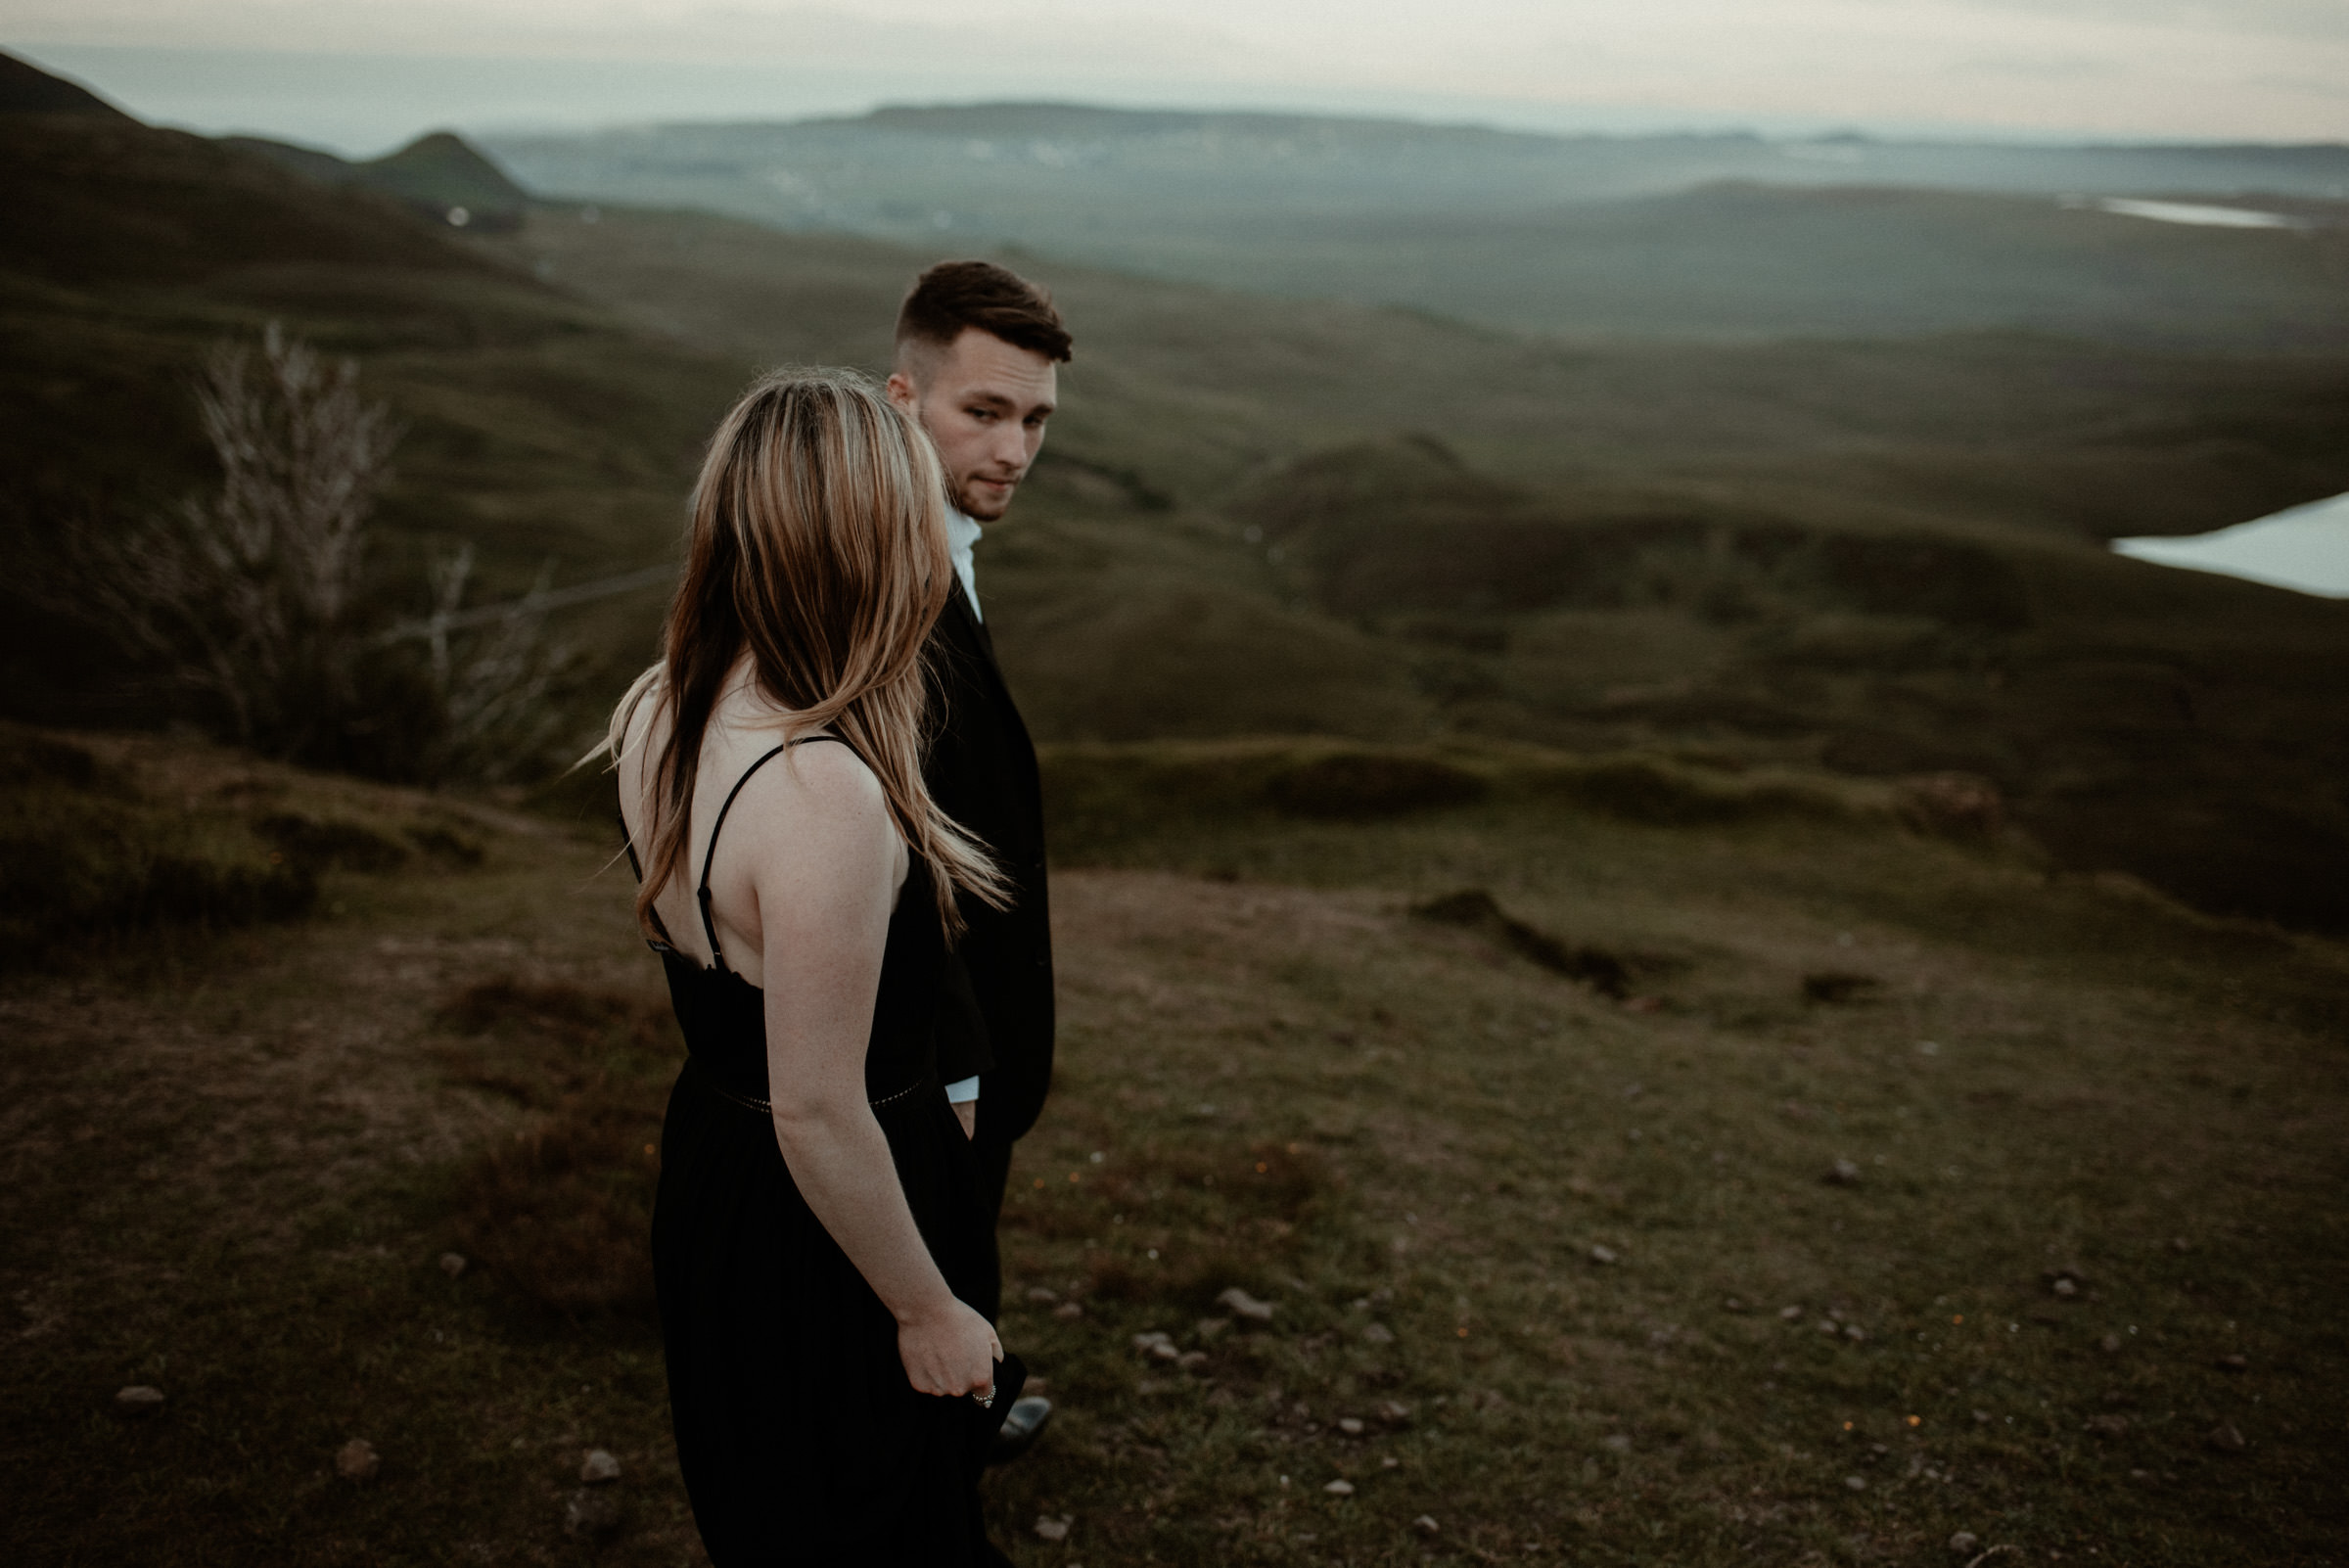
[(967, 1113)]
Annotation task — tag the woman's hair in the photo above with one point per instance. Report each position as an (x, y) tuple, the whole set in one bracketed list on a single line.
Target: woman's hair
[(817, 543)]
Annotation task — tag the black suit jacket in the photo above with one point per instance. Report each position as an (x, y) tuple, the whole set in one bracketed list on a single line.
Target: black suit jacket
[(997, 1017)]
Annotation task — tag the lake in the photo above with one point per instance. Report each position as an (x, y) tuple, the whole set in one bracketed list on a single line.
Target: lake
[(2305, 548)]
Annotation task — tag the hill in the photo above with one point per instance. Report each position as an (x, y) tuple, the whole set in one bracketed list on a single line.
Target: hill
[(1706, 238), (537, 426), (440, 175), (26, 89), (1878, 556), (1907, 1191)]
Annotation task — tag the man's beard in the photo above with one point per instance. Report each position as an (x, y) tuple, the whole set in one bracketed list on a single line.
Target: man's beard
[(963, 503)]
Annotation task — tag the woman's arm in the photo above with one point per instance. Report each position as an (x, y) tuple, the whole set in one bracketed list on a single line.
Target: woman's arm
[(824, 889)]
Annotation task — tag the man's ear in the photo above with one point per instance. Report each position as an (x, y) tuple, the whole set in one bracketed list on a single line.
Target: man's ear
[(903, 392)]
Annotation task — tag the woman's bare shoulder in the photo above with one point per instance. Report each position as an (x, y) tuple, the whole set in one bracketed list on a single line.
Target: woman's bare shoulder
[(832, 780)]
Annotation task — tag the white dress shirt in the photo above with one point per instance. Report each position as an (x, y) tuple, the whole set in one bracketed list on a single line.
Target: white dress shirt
[(961, 534)]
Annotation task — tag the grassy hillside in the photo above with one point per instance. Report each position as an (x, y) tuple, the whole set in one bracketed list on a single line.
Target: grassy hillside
[(1876, 556), (1574, 1275), (440, 176), (537, 426), (1873, 556)]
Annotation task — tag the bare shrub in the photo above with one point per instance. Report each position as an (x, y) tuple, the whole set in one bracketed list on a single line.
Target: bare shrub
[(492, 677), (255, 600), (246, 596)]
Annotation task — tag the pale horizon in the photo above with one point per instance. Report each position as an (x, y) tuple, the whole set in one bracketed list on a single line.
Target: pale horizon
[(2258, 71)]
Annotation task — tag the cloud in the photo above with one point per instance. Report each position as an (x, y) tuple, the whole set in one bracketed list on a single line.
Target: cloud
[(2187, 67)]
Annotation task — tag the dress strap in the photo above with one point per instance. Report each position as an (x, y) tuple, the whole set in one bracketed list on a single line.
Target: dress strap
[(660, 942), (710, 855)]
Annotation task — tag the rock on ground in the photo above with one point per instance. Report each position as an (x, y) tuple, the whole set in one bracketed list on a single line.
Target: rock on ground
[(1245, 1306)]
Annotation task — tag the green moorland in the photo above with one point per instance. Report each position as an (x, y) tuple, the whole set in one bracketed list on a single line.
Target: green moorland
[(1742, 1171), (1620, 662), (1878, 557)]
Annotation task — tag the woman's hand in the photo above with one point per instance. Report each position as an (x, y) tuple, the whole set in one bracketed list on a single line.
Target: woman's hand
[(949, 1351)]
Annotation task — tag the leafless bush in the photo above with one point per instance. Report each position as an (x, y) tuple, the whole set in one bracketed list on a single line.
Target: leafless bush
[(492, 679), (246, 596), (252, 599)]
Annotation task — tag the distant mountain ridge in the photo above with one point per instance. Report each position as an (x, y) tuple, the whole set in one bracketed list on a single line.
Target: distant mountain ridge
[(440, 175), (1705, 238)]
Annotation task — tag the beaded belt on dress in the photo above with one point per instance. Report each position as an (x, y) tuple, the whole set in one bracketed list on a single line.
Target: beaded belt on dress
[(766, 1107)]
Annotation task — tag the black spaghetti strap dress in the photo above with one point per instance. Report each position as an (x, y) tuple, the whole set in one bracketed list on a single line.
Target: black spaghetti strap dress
[(800, 1440)]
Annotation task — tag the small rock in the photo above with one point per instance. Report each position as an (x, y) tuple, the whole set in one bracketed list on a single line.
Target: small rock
[(2234, 1363), (1602, 1254), (1340, 1488), (357, 1460), (2064, 1287), (1068, 1311), (1426, 1525), (1730, 1303), (2111, 1344), (1190, 1360), (1351, 1425), (1051, 1529), (1854, 1332), (1390, 1463), (1964, 1540), (1827, 1327), (1379, 1334), (1619, 1443), (593, 1512), (138, 1400), (1395, 1412), (1857, 1483), (2227, 1438), (453, 1264), (1042, 1295), (1211, 1328), (599, 1467), (2181, 1244), (1790, 1313), (1843, 1174), (1982, 1419), (1245, 1306)]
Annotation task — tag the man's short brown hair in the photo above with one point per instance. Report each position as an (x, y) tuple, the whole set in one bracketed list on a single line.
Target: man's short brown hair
[(954, 296)]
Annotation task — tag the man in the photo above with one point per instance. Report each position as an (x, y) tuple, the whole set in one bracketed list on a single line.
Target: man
[(975, 352)]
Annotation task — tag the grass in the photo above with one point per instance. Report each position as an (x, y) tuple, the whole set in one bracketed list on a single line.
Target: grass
[(1874, 556), (233, 1161)]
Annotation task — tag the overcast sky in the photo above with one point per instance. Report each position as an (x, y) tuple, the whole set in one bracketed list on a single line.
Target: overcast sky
[(2266, 70)]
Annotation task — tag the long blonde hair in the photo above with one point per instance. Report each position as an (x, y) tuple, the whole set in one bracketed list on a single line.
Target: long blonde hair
[(818, 543)]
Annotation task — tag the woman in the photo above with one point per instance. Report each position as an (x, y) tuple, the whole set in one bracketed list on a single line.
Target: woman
[(818, 1225)]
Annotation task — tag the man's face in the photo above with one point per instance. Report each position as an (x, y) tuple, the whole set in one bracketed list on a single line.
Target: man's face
[(984, 402)]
